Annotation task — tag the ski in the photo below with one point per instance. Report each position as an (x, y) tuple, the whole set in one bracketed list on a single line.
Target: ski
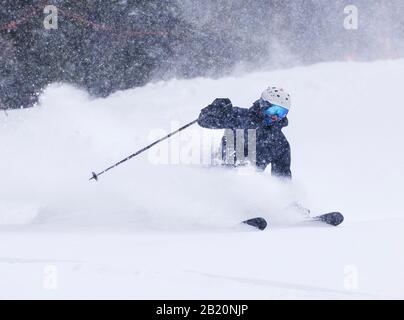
[(332, 218), (259, 223)]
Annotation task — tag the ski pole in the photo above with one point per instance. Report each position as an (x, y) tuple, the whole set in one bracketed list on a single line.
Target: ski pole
[(96, 175)]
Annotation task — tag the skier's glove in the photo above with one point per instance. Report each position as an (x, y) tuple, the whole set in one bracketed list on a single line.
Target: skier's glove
[(221, 103), (219, 108)]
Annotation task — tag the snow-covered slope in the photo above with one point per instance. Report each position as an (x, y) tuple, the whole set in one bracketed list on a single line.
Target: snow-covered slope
[(165, 225)]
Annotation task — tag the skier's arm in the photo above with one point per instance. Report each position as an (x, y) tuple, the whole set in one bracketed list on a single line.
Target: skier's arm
[(222, 115)]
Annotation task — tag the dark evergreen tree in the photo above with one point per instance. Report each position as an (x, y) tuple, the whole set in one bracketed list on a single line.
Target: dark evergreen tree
[(104, 46)]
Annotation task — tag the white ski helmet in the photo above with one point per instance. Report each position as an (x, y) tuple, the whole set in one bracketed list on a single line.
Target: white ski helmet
[(277, 96)]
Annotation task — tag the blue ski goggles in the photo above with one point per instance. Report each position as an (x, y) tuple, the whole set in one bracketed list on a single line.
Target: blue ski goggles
[(275, 110)]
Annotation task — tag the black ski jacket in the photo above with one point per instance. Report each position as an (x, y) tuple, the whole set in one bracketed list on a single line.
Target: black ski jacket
[(272, 146)]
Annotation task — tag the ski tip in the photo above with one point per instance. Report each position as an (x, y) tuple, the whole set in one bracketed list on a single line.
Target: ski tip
[(259, 223), (332, 218), (94, 176)]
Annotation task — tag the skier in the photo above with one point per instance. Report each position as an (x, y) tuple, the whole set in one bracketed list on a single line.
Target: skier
[(267, 116), (265, 119)]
